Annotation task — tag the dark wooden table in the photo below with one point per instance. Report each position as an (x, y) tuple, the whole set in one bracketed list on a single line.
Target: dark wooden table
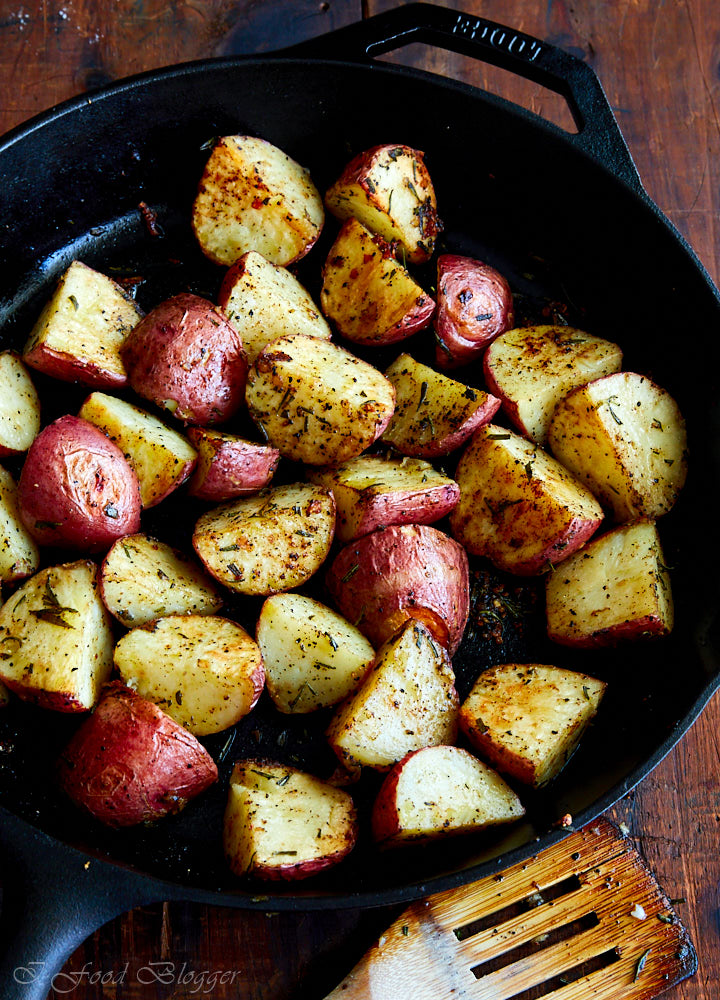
[(659, 63)]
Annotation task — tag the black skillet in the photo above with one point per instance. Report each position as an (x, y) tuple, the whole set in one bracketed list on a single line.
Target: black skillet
[(564, 216)]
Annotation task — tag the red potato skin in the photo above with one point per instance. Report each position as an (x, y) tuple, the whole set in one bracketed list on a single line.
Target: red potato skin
[(443, 446), (68, 368), (53, 701), (647, 627), (237, 468), (509, 406), (422, 507), (76, 488), (301, 869), (411, 322), (474, 307), (385, 822), (130, 763), (578, 531), (400, 573), (186, 350)]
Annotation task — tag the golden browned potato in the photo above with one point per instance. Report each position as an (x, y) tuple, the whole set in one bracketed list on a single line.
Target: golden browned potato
[(253, 196), (269, 542), (315, 402), (389, 190), (367, 293), (518, 506), (617, 587), (527, 718), (80, 332), (19, 556), (624, 437), (532, 368), (19, 406), (434, 414)]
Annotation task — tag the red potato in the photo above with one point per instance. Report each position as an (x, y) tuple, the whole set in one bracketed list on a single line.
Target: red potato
[(19, 406), (281, 823), (367, 294), (372, 492), (76, 488), (187, 358), (411, 572), (437, 791), (474, 306), (81, 330), (229, 466), (130, 763), (389, 190)]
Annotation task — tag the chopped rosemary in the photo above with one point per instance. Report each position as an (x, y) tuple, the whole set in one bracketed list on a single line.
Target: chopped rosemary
[(423, 394), (351, 572), (641, 964)]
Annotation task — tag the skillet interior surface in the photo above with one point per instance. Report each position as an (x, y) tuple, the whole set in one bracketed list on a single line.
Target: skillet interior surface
[(512, 191)]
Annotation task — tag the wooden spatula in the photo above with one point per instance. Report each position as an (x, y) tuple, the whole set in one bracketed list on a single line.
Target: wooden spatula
[(584, 920)]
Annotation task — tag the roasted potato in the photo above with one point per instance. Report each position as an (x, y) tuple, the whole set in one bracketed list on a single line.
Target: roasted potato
[(205, 672), (269, 542), (228, 466), (518, 506), (19, 556), (434, 414), (129, 763), (142, 579), (161, 458), (264, 302), (407, 701), (527, 718), (187, 358), (313, 657), (388, 189), (19, 406), (409, 572), (368, 295), (437, 791), (474, 306), (617, 587), (315, 402), (532, 368), (55, 639), (625, 438), (80, 332), (281, 823), (372, 492), (252, 196), (76, 488)]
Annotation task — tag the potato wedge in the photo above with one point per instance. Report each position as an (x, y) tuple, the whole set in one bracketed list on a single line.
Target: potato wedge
[(313, 657), (407, 572), (129, 763), (55, 639), (161, 458), (228, 466), (264, 302), (270, 542), (407, 701), (142, 579), (518, 506), (252, 196), (388, 189), (532, 368), (474, 306), (281, 823), (367, 294), (19, 406), (527, 718), (625, 438), (438, 791), (372, 492), (434, 414), (205, 672), (19, 556), (80, 332), (315, 402), (616, 588)]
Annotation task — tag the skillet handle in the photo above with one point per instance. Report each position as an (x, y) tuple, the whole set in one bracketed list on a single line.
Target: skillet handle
[(53, 898), (598, 133)]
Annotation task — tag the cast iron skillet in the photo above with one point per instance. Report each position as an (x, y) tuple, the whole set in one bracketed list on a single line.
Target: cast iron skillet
[(563, 216)]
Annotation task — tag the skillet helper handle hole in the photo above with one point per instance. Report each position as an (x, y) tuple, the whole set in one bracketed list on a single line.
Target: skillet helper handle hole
[(598, 133), (53, 898)]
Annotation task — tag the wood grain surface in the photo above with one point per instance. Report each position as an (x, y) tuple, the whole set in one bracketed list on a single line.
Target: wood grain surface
[(659, 62)]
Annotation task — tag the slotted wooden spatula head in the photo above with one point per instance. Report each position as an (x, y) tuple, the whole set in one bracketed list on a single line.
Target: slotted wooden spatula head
[(584, 920)]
